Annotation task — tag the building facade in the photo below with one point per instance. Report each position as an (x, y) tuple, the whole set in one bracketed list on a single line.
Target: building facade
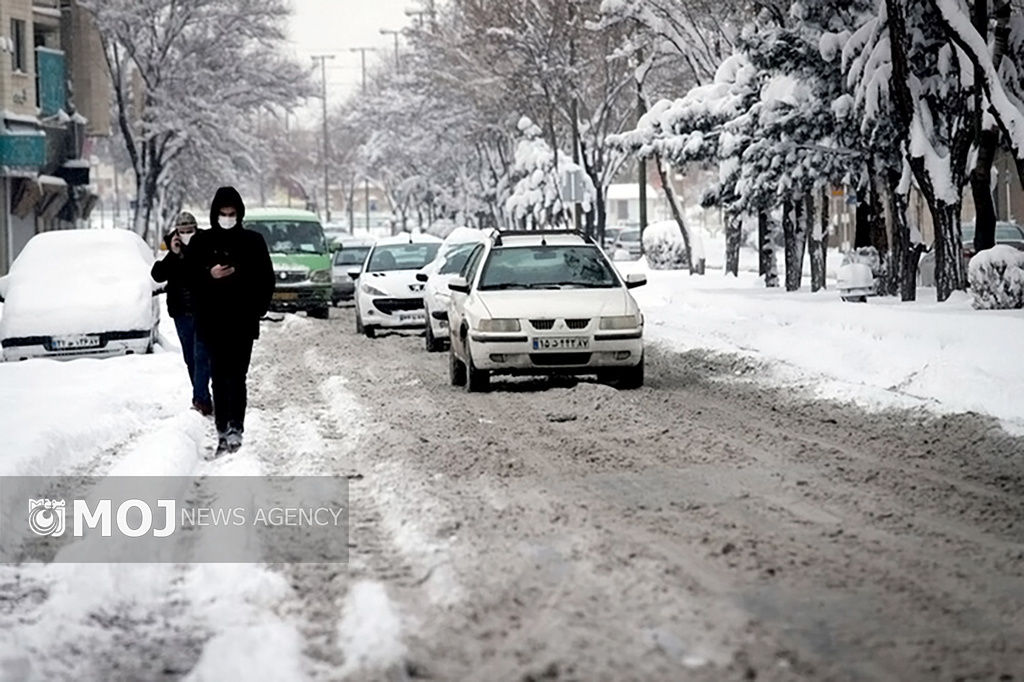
[(51, 73)]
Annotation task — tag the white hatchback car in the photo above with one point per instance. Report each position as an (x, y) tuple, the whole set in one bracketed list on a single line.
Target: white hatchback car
[(388, 295), (544, 302), (449, 263), (73, 293)]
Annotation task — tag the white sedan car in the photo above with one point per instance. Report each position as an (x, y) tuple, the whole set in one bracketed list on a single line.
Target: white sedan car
[(451, 259), (73, 293), (544, 302), (388, 295)]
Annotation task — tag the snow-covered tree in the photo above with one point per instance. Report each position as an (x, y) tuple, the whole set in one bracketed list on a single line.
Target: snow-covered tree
[(188, 77)]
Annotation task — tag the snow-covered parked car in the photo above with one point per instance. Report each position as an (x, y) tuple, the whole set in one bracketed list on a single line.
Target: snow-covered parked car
[(388, 295), (544, 302), (74, 293), (449, 263)]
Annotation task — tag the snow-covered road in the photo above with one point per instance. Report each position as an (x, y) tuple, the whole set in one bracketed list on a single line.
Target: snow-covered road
[(709, 526)]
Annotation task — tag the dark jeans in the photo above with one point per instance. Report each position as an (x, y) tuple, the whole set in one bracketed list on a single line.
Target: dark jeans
[(196, 358), (229, 362)]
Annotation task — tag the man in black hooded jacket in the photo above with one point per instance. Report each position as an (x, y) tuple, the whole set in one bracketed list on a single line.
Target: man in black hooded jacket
[(234, 282)]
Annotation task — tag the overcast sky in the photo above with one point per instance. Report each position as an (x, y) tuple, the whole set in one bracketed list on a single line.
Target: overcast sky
[(336, 26)]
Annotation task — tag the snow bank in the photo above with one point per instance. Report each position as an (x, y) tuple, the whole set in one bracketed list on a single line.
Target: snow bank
[(77, 281), (370, 631), (946, 357), (664, 247), (996, 278)]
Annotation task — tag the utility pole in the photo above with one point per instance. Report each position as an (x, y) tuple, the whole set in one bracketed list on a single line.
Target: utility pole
[(322, 58), (641, 109), (366, 180), (396, 34)]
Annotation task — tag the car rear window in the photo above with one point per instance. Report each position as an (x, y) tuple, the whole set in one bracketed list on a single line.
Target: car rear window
[(547, 267), (354, 255), (1008, 233)]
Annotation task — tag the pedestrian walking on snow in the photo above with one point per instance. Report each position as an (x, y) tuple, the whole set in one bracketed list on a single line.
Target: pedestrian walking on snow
[(181, 307), (234, 282)]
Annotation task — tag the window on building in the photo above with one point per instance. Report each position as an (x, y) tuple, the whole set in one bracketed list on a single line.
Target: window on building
[(18, 38)]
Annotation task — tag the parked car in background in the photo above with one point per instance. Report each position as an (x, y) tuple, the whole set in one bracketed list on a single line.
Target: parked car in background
[(450, 261), (74, 293), (388, 295), (302, 261), (611, 234), (544, 302), (627, 245), (334, 232), (1007, 233), (350, 252)]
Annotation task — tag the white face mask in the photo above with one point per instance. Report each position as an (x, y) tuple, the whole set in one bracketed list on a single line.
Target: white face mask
[(186, 237), (227, 223)]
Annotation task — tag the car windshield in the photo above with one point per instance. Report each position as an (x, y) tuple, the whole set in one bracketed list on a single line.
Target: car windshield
[(456, 259), (629, 236), (352, 255), (547, 267), (286, 236), (402, 256), (967, 230), (1008, 233)]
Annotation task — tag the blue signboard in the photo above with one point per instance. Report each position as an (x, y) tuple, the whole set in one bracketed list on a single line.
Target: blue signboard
[(24, 151), (52, 82)]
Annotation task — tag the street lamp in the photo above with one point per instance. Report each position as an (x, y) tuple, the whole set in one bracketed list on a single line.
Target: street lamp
[(362, 52), (392, 32), (322, 58)]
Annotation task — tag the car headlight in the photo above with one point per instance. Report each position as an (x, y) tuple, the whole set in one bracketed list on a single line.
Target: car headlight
[(320, 276), (372, 291), (620, 322), (498, 325)]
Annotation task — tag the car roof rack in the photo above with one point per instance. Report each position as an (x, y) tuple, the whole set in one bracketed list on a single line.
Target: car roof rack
[(542, 233)]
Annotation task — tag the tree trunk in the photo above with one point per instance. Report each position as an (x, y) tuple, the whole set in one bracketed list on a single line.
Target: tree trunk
[(949, 264), (733, 239), (670, 195), (793, 234), (768, 268), (817, 238)]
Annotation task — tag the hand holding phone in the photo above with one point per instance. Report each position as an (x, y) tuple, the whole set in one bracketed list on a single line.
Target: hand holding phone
[(221, 271)]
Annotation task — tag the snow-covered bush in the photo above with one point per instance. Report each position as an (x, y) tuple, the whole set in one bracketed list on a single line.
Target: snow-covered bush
[(996, 278), (664, 247)]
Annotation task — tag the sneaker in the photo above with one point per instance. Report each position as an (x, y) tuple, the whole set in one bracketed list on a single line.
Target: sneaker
[(234, 440), (223, 445)]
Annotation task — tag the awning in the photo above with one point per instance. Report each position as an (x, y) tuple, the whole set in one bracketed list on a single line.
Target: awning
[(55, 195), (25, 194)]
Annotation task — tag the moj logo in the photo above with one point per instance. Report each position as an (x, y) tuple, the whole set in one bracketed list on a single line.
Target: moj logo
[(46, 517), (134, 518)]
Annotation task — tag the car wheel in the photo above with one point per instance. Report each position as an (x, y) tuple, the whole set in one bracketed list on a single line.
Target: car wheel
[(477, 380), (359, 322), (323, 313), (631, 377), (855, 299), (433, 344), (369, 332), (456, 370)]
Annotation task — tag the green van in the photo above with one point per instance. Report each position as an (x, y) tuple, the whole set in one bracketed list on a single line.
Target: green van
[(302, 261)]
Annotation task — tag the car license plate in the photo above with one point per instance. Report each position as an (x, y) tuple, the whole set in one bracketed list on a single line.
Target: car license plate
[(561, 343), (285, 296), (75, 341), (412, 317)]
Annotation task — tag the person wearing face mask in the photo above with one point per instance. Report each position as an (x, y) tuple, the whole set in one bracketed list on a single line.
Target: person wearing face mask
[(234, 282), (181, 307)]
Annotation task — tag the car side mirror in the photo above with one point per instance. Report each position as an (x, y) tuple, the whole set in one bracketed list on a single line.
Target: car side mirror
[(422, 277), (460, 285), (635, 279), (354, 273)]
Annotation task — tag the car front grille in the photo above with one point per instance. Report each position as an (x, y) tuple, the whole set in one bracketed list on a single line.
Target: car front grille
[(559, 359), (290, 276), (542, 325), (577, 324), (389, 306)]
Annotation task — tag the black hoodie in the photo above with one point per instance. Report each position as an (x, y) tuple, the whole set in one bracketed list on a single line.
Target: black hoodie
[(234, 304)]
